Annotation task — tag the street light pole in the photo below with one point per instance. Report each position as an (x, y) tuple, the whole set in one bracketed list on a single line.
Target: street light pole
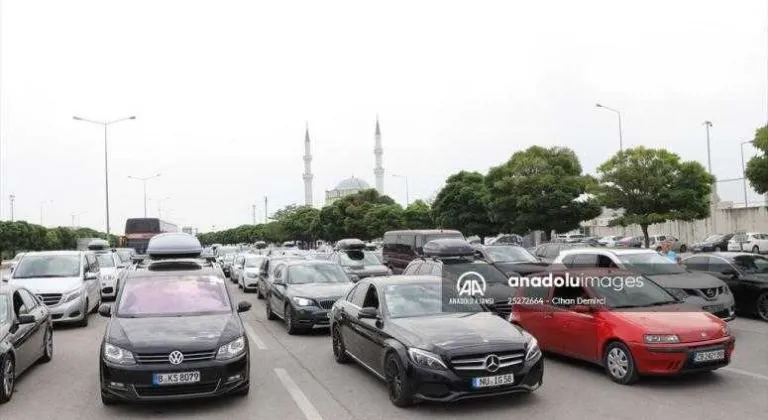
[(744, 171), (621, 133), (708, 125), (106, 125), (713, 216), (12, 198), (407, 195), (144, 181), (254, 214)]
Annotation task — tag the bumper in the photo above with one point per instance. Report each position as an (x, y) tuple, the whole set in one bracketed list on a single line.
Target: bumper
[(108, 289), (676, 359), (68, 312), (250, 283), (724, 309), (134, 383), (447, 386), (312, 317)]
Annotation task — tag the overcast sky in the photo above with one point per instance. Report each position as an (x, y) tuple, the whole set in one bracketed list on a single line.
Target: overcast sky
[(222, 90)]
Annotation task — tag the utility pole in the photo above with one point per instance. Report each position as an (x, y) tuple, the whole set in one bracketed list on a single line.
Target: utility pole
[(254, 214), (12, 199), (266, 217), (708, 125)]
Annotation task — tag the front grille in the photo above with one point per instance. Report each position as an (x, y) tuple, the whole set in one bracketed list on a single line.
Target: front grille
[(326, 303), (162, 358), (50, 299), (502, 308), (476, 362), (201, 388)]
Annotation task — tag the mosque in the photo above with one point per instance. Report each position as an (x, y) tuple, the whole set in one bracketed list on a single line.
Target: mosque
[(346, 186)]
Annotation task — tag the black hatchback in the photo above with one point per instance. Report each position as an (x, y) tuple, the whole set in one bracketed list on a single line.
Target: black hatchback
[(173, 335)]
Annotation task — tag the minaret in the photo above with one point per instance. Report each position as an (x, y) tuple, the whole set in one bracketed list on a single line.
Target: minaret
[(307, 170), (378, 151)]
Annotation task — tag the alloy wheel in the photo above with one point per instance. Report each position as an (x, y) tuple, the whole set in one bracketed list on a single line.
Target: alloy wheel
[(394, 379), (618, 364), (9, 373), (762, 306)]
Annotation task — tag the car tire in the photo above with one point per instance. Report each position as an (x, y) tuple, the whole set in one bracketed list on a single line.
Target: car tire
[(270, 315), (290, 322), (47, 347), (7, 378), (339, 349), (755, 249), (96, 307), (397, 381), (683, 248), (84, 322), (259, 295), (619, 363), (761, 306)]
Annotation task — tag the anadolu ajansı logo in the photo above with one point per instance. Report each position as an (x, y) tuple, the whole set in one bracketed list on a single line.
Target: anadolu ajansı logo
[(471, 288)]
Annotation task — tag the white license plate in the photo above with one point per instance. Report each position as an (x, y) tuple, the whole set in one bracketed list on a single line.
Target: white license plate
[(709, 356), (488, 381), (175, 378)]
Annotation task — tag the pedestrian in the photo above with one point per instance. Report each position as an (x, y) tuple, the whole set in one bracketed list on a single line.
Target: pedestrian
[(666, 250)]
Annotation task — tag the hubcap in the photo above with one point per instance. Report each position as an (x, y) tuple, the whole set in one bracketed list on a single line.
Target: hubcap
[(394, 379), (8, 373), (618, 364), (762, 307)]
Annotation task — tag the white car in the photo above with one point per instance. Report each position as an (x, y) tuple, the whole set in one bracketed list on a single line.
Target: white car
[(111, 267), (609, 241), (248, 279), (750, 242)]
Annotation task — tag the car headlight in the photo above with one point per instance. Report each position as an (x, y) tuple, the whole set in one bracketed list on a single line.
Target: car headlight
[(300, 301), (661, 338), (251, 275), (69, 297), (726, 331), (231, 350), (533, 350), (117, 355), (680, 294), (425, 359)]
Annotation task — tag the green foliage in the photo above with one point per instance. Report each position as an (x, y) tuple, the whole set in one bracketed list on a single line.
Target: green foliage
[(540, 189), (21, 236), (462, 204), (418, 215), (381, 218), (298, 224), (653, 186), (757, 167)]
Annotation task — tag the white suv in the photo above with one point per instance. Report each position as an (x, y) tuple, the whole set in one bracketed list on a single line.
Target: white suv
[(749, 242)]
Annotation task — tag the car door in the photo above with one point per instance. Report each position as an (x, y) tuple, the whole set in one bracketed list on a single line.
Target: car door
[(21, 339), (277, 291), (529, 307), (92, 286), (370, 334), (38, 310), (574, 333), (351, 329)]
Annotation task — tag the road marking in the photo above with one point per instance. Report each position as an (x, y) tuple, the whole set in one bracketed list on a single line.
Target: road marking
[(746, 373), (254, 337), (301, 400)]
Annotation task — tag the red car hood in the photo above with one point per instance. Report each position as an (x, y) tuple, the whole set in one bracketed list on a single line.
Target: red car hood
[(690, 326)]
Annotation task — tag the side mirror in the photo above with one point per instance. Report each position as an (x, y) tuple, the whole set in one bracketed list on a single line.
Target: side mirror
[(278, 282), (91, 275), (105, 310), (368, 313), (354, 278), (26, 319), (243, 306), (581, 309)]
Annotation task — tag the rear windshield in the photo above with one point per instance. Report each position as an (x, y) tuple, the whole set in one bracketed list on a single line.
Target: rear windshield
[(448, 235), (163, 296), (105, 260), (142, 226)]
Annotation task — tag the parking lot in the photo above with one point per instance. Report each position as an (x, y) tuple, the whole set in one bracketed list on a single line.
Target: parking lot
[(295, 377)]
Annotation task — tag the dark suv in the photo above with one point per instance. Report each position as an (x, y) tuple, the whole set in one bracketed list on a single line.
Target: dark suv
[(400, 247)]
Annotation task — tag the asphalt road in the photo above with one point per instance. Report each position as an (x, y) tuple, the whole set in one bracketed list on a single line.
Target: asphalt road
[(295, 378)]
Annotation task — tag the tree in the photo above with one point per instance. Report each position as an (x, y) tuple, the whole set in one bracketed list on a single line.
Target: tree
[(653, 186), (345, 218), (757, 167), (284, 212), (462, 204), (418, 215), (297, 225), (540, 189), (381, 218)]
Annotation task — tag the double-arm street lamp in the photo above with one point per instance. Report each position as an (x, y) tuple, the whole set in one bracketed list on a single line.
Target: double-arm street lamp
[(106, 125), (144, 181), (618, 114)]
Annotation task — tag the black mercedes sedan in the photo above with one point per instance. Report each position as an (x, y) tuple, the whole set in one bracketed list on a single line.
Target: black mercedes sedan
[(26, 335), (303, 291), (714, 243), (173, 335), (428, 344)]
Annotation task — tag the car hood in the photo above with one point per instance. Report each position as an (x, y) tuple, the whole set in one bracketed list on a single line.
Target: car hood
[(688, 324), (686, 280), (318, 290), (165, 334), (49, 284), (451, 331), (369, 270), (523, 268)]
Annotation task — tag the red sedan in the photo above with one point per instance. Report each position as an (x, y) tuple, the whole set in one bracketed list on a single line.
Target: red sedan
[(621, 321)]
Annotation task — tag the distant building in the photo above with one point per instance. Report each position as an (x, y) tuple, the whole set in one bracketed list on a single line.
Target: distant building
[(189, 230), (344, 188)]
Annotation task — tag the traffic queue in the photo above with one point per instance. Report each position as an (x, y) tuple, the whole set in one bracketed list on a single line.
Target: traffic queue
[(436, 318)]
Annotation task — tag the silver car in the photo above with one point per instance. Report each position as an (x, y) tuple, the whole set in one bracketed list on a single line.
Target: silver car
[(66, 281), (248, 279), (111, 268)]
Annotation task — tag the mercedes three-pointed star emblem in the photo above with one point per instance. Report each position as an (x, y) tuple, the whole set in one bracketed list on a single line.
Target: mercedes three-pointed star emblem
[(176, 357), (492, 363)]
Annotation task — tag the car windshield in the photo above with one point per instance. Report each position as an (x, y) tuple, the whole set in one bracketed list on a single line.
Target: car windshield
[(644, 293), (423, 299), (125, 256), (105, 260), (161, 296), (32, 266), (358, 258), (432, 237), (253, 262), (751, 264), (491, 274), (650, 263), (510, 254), (316, 273), (713, 238), (4, 309)]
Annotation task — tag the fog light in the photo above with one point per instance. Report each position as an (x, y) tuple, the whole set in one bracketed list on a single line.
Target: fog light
[(117, 385), (234, 378)]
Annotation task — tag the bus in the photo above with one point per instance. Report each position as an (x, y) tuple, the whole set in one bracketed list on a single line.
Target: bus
[(138, 232)]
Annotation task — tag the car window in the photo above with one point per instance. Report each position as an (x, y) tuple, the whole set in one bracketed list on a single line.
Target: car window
[(5, 309), (566, 296), (541, 250), (718, 265), (371, 298), (604, 261), (30, 301), (425, 269), (279, 270), (172, 295), (19, 308), (568, 260), (697, 263), (552, 251), (585, 261), (351, 293), (32, 266), (359, 296)]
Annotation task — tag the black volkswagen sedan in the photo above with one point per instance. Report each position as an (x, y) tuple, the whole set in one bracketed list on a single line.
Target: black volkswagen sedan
[(302, 292), (26, 335), (411, 332), (173, 335)]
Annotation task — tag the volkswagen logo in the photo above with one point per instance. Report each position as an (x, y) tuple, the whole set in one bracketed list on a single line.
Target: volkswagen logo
[(176, 357), (492, 363), (711, 292)]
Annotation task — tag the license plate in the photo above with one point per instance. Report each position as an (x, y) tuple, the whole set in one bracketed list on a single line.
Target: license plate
[(709, 356), (175, 378), (714, 308), (488, 381)]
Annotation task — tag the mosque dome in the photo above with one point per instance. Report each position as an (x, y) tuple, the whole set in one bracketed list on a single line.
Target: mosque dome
[(352, 184)]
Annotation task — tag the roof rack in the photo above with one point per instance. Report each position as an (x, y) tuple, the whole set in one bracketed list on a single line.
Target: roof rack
[(98, 245), (174, 245), (449, 248), (350, 244)]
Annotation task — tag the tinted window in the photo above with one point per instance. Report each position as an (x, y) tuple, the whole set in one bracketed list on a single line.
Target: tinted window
[(142, 226), (48, 266), (445, 235), (359, 297), (751, 264), (30, 301), (173, 296), (568, 260), (650, 263), (491, 274), (420, 299), (697, 263), (567, 296), (316, 273), (585, 261), (18, 304), (718, 265), (351, 293)]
